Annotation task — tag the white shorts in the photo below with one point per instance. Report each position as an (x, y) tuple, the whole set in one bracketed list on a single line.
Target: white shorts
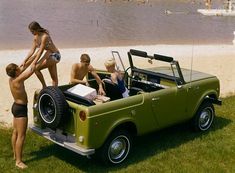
[(56, 56)]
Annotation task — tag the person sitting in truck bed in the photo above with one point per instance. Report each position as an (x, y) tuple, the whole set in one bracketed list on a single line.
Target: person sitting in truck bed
[(116, 76), (80, 70)]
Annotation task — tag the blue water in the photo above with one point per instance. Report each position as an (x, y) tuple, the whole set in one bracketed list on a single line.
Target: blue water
[(78, 23)]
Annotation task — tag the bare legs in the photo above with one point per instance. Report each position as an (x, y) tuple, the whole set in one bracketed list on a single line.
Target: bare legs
[(51, 65), (45, 62), (18, 138), (53, 72), (40, 77), (13, 138)]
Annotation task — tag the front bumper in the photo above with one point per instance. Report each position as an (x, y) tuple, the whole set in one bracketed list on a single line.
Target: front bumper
[(215, 101), (62, 140)]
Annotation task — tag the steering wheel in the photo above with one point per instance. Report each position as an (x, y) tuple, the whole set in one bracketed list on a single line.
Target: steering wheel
[(126, 76)]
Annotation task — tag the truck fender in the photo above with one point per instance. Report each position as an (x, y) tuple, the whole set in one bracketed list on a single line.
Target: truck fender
[(126, 123), (210, 96)]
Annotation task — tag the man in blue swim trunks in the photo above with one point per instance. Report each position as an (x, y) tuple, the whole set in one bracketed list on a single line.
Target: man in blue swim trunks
[(19, 108)]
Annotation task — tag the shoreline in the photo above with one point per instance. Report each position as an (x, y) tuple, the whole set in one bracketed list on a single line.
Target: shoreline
[(130, 45), (213, 59), (170, 43)]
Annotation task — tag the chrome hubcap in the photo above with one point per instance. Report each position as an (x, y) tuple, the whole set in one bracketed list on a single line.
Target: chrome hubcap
[(205, 118), (47, 108), (119, 149)]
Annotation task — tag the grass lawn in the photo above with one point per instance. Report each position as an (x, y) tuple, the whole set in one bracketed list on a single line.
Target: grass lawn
[(176, 149)]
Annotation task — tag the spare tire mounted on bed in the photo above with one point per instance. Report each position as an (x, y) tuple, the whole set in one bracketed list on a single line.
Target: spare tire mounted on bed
[(52, 106)]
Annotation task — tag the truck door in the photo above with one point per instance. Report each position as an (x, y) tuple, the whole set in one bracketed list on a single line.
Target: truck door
[(169, 105)]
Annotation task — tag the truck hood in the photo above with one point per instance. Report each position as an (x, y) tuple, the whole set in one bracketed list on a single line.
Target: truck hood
[(196, 75)]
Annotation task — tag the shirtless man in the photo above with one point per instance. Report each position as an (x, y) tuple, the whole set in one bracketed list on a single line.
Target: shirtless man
[(80, 70), (19, 109)]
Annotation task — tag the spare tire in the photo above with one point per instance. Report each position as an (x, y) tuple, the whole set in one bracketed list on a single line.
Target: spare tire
[(52, 106)]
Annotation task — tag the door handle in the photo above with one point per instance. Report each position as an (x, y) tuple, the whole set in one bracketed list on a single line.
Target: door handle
[(155, 98)]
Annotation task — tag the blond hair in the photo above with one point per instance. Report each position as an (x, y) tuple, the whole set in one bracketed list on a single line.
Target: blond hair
[(109, 62)]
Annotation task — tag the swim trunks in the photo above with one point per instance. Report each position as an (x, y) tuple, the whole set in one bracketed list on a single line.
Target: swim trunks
[(56, 56), (19, 110)]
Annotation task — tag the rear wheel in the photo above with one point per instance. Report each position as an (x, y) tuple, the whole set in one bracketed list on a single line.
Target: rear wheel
[(116, 148), (204, 116)]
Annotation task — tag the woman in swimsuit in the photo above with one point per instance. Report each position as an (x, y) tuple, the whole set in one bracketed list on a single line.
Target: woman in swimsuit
[(40, 61)]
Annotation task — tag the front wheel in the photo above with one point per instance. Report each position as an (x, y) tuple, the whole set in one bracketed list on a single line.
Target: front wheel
[(204, 117), (116, 148)]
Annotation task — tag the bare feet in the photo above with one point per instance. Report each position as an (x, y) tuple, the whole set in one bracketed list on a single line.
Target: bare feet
[(21, 165)]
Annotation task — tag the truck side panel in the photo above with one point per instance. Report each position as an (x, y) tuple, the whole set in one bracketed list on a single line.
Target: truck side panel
[(102, 119)]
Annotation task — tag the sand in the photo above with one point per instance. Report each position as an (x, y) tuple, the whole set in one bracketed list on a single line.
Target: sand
[(218, 60)]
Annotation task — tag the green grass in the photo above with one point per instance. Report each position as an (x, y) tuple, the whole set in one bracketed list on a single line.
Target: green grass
[(176, 149)]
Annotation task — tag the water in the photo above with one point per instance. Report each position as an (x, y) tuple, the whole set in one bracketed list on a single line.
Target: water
[(78, 23)]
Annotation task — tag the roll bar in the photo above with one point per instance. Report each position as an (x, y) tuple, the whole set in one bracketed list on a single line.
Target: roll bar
[(163, 58), (139, 53), (156, 56)]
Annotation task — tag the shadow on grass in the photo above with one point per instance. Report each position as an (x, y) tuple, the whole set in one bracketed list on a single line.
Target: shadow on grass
[(143, 147)]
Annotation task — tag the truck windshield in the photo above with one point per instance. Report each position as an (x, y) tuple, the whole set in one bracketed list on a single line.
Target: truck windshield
[(156, 66)]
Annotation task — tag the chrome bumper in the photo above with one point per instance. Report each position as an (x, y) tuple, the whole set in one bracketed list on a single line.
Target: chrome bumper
[(62, 140)]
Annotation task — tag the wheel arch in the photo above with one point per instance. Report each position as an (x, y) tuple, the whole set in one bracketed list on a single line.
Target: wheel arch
[(126, 124), (207, 96)]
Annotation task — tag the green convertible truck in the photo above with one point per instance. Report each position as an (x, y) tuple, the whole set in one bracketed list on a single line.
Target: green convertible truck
[(160, 95)]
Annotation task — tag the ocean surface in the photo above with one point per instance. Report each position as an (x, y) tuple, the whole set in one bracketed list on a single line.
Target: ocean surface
[(83, 23)]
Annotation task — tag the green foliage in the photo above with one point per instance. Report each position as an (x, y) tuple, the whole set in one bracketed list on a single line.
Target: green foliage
[(176, 149)]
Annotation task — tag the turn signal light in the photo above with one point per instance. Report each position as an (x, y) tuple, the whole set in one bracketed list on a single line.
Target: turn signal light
[(82, 115)]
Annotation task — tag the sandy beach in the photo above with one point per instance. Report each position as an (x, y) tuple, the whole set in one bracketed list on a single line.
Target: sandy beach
[(218, 60)]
